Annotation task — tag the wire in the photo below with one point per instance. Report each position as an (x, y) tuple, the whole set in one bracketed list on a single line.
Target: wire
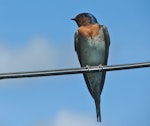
[(73, 70)]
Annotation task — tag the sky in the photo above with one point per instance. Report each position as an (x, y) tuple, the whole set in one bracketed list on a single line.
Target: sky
[(39, 35)]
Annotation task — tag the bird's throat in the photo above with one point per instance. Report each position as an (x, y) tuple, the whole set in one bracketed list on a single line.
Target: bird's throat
[(91, 30)]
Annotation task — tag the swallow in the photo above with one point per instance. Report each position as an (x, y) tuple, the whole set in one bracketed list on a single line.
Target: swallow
[(92, 43)]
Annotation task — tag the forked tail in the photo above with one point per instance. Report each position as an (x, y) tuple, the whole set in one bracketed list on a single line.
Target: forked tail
[(98, 112)]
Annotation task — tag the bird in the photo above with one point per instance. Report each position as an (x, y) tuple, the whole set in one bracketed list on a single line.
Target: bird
[(91, 42)]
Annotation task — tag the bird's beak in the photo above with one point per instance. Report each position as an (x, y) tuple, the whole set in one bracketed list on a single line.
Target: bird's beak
[(74, 19)]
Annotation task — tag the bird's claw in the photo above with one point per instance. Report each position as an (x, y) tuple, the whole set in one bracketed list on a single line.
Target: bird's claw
[(87, 67), (100, 67)]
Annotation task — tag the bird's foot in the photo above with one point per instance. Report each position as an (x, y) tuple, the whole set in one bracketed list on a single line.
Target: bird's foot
[(87, 67), (100, 67)]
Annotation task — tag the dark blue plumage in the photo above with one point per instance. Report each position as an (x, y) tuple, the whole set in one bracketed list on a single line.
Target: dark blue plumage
[(92, 18), (84, 18)]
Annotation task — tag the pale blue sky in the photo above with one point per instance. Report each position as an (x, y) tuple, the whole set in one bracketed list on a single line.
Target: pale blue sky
[(39, 35)]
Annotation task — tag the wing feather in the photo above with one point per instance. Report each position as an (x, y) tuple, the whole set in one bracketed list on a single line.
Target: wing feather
[(107, 44)]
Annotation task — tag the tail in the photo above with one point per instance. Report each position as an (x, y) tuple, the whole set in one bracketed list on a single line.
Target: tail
[(98, 112)]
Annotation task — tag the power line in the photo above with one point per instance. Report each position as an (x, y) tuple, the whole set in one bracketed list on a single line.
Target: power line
[(73, 70)]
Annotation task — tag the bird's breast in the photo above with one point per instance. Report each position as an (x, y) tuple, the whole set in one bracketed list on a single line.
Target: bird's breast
[(92, 49)]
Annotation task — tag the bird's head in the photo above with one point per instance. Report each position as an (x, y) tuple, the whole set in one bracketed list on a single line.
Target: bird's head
[(84, 19)]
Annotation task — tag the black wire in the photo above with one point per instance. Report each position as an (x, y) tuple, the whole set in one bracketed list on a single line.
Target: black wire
[(73, 70)]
